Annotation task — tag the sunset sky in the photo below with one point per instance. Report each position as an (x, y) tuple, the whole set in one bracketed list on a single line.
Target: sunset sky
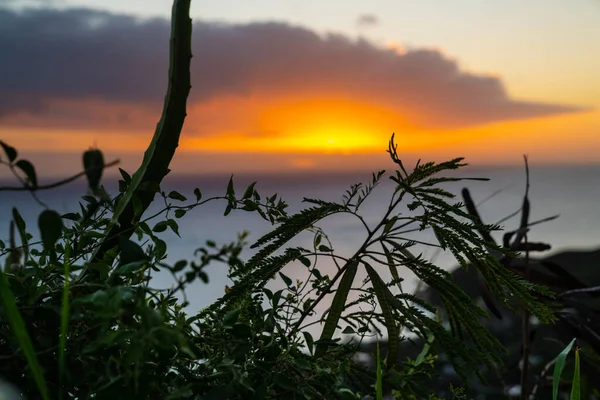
[(304, 85)]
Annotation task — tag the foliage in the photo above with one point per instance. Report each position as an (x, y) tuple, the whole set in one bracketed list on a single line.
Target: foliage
[(79, 318), (117, 336)]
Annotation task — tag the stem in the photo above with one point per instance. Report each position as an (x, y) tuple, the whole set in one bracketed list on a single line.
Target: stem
[(51, 185)]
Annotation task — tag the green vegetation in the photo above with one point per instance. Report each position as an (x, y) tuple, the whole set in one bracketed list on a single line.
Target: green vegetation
[(79, 318)]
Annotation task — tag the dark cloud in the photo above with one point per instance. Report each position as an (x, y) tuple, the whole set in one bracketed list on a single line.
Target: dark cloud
[(367, 21), (79, 54)]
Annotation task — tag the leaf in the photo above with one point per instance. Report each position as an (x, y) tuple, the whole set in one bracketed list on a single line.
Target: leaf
[(51, 225), (180, 213), (383, 296), (324, 248), (286, 279), (309, 341), (125, 175), (337, 305), (173, 225), (160, 247), (558, 368), (93, 163), (230, 189), (232, 316), (389, 225), (177, 196), (576, 388), (131, 252), (249, 191), (304, 261), (130, 267), (179, 265), (11, 152), (160, 226), (15, 320), (29, 171), (392, 266), (198, 194), (71, 216)]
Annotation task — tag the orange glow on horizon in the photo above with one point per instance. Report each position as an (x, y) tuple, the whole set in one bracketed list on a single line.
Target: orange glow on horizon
[(321, 125)]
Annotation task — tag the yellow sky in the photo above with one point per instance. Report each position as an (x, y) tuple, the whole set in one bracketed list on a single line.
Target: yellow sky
[(288, 98)]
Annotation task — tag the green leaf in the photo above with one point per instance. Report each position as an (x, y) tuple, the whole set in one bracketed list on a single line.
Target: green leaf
[(179, 265), (304, 260), (348, 330), (249, 191), (93, 163), (231, 317), (324, 248), (130, 267), (558, 368), (173, 225), (11, 152), (383, 296), (29, 171), (180, 213), (392, 266), (198, 194), (177, 196), (576, 388), (286, 279), (131, 252), (230, 189), (160, 226), (160, 247), (51, 225), (15, 320), (317, 240), (389, 225), (71, 216), (337, 305), (125, 175), (309, 341), (20, 222)]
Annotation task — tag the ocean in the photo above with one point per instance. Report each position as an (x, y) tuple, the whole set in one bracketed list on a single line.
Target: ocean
[(573, 192)]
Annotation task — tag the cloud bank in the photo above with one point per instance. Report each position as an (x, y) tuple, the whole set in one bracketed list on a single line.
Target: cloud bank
[(82, 56)]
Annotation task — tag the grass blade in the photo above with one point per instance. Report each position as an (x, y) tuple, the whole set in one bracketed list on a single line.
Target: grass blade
[(18, 327), (558, 368), (576, 388), (64, 319)]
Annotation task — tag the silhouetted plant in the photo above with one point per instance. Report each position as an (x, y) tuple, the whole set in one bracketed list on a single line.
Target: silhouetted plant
[(79, 318)]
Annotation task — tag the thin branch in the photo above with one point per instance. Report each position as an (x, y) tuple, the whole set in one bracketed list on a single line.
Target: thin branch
[(54, 184), (525, 321)]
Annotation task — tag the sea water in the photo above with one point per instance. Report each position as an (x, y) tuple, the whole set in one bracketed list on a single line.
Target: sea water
[(572, 192)]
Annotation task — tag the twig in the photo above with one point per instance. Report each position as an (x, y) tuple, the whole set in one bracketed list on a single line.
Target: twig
[(533, 394), (54, 184), (525, 320)]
